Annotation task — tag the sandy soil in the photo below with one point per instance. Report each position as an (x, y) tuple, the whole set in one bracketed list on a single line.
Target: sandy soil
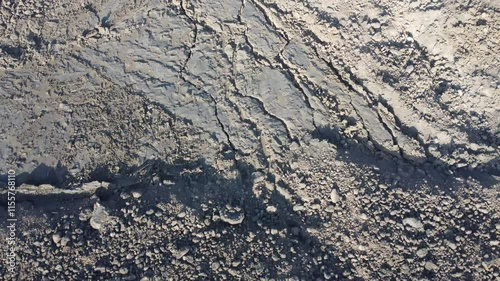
[(251, 140)]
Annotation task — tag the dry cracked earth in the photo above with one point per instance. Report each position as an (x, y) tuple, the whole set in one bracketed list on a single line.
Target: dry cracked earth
[(251, 140)]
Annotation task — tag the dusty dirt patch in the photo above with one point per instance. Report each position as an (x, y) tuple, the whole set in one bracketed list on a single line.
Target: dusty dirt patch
[(252, 140)]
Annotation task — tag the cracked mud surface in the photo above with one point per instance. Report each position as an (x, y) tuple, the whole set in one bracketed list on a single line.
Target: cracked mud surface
[(252, 140)]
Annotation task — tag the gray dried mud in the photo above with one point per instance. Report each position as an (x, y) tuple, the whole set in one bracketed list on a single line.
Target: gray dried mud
[(252, 140)]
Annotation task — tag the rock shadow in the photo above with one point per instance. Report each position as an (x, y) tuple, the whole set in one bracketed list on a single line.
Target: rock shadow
[(204, 191)]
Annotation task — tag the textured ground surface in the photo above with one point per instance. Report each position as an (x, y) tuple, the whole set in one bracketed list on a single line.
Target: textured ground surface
[(252, 140)]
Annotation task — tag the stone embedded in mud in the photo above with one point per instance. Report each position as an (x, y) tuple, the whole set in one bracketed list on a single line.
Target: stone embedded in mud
[(271, 209), (413, 222), (136, 194), (232, 215), (99, 217)]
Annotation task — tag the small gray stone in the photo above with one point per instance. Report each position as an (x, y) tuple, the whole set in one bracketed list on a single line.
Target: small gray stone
[(214, 265), (179, 253), (64, 107), (422, 252), (271, 209), (188, 259), (56, 237), (334, 196), (413, 222), (376, 25), (430, 266), (123, 271), (452, 245), (99, 217), (64, 241)]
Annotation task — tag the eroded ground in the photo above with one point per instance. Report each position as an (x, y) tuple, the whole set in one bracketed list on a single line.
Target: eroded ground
[(252, 140)]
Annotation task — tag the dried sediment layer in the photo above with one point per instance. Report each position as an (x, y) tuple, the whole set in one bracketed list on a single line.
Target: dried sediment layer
[(260, 77), (428, 70), (249, 139)]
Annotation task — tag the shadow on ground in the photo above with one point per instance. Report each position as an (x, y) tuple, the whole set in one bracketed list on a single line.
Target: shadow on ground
[(195, 184)]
